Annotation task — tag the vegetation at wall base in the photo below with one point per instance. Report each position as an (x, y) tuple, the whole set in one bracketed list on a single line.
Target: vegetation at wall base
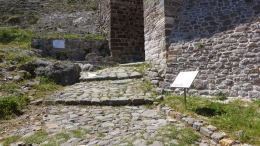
[(230, 118), (15, 35)]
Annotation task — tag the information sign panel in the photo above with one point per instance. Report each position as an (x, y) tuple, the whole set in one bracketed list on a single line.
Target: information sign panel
[(58, 44), (184, 79)]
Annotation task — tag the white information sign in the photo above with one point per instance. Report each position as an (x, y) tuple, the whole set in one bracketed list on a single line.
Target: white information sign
[(184, 79), (58, 44)]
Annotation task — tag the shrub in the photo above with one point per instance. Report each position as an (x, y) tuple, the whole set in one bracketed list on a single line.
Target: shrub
[(12, 105), (8, 106)]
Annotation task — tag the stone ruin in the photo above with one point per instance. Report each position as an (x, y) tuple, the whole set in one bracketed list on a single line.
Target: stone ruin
[(220, 38)]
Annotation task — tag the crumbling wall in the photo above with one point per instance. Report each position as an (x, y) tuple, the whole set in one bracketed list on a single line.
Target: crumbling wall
[(221, 39)]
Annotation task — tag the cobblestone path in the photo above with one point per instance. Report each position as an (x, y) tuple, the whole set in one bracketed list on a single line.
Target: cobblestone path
[(106, 108)]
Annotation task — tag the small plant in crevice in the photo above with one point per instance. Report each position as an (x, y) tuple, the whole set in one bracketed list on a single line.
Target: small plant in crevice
[(201, 46), (221, 96)]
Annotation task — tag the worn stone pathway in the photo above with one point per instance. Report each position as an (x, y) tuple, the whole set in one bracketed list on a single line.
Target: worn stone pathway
[(113, 109)]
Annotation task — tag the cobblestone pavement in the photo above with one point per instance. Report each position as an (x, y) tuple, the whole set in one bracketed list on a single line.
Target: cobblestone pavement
[(130, 121)]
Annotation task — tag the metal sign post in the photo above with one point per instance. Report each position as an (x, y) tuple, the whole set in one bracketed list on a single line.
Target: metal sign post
[(184, 80), (185, 99)]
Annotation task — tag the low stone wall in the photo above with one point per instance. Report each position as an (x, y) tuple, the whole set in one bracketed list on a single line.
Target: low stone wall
[(221, 39), (75, 49)]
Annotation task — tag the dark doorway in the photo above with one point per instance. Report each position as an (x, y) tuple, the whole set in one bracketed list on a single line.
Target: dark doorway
[(126, 36)]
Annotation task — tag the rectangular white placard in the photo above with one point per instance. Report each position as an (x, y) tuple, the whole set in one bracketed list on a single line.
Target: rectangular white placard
[(184, 79), (58, 44)]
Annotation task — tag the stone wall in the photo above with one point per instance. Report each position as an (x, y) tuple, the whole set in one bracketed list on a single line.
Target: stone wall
[(221, 39), (75, 49), (153, 29), (158, 18), (126, 36), (52, 16)]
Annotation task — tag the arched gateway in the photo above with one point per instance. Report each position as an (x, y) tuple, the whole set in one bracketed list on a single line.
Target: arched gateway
[(134, 27)]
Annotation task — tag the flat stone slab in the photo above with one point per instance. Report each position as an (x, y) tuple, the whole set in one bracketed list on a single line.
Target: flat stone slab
[(115, 73)]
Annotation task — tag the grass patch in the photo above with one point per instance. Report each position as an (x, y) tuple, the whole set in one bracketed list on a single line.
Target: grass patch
[(230, 118), (18, 57), (94, 37), (15, 35), (184, 136), (45, 84), (146, 87), (9, 87), (221, 96), (141, 67), (79, 133), (8, 141), (45, 87), (37, 138), (62, 135)]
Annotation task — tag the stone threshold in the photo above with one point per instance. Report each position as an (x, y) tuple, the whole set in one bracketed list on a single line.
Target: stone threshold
[(97, 102), (102, 78)]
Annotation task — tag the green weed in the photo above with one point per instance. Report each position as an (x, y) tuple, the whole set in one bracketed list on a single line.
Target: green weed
[(19, 58), (221, 96), (78, 133), (8, 141), (62, 135), (37, 138), (45, 84), (8, 106), (12, 105), (12, 34), (45, 87), (184, 136), (94, 37)]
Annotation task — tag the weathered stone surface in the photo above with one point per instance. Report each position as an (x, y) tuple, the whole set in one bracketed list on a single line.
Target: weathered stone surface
[(217, 137), (226, 142), (205, 131), (197, 125), (139, 142), (63, 73)]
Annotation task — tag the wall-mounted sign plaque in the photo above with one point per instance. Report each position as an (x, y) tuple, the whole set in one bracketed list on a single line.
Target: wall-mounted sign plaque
[(58, 44)]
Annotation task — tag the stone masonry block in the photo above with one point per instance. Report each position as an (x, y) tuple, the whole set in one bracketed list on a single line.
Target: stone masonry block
[(205, 131), (197, 125), (226, 142), (216, 137)]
